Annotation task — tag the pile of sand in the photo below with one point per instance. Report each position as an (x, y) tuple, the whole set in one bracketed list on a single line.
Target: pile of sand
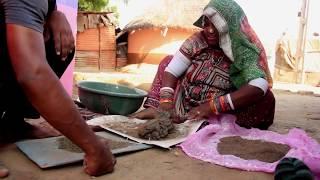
[(252, 149)]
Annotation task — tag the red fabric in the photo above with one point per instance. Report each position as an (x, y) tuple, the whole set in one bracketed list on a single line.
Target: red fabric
[(154, 93)]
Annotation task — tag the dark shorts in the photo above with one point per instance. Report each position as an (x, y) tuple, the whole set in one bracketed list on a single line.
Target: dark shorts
[(14, 105)]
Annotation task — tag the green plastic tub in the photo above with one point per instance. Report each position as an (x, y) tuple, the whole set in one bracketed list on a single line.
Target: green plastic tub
[(108, 98)]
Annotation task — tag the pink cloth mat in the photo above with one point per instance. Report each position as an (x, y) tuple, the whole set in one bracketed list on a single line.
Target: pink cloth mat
[(203, 145)]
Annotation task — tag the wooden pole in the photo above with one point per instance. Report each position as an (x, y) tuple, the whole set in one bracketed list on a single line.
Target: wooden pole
[(301, 41), (302, 78)]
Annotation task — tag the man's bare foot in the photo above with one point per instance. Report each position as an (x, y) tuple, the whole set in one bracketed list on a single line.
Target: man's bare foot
[(96, 128), (43, 132), (148, 113), (4, 172), (42, 129)]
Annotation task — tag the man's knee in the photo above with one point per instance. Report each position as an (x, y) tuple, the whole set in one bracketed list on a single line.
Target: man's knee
[(4, 172)]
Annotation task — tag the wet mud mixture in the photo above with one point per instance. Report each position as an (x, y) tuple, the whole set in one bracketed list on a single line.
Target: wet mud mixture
[(160, 128), (157, 128), (252, 149), (65, 144)]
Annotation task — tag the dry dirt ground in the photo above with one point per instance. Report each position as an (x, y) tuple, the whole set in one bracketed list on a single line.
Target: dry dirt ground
[(292, 110)]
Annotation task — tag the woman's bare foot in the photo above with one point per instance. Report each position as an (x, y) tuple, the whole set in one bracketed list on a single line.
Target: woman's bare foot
[(148, 113), (4, 172)]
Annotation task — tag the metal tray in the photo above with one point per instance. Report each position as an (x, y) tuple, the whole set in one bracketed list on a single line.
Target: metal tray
[(45, 152)]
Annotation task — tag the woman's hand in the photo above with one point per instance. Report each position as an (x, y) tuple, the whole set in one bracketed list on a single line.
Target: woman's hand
[(148, 113), (200, 112), (60, 29), (167, 106), (151, 112)]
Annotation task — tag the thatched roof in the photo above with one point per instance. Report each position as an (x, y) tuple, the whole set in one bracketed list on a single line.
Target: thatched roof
[(169, 13), (88, 20)]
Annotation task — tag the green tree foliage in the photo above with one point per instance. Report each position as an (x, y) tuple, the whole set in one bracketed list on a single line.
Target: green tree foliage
[(92, 5), (113, 9)]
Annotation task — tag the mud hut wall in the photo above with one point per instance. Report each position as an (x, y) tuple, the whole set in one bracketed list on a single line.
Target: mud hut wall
[(96, 49), (153, 44)]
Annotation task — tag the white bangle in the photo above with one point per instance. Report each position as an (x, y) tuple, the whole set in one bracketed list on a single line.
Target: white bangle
[(167, 88), (230, 101)]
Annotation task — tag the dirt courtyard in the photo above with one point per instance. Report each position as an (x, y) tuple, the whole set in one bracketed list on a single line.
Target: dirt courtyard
[(292, 110)]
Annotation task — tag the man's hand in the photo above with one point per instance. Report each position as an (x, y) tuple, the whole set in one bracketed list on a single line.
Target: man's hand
[(60, 29), (100, 162)]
